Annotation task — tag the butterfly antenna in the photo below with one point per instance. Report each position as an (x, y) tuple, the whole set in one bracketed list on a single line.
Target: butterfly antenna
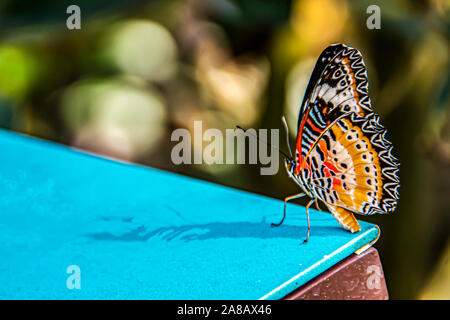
[(283, 119), (273, 147)]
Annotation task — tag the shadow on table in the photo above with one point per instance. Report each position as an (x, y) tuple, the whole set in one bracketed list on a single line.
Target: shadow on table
[(216, 230)]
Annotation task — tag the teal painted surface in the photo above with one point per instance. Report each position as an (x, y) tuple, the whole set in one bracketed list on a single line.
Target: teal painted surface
[(141, 233)]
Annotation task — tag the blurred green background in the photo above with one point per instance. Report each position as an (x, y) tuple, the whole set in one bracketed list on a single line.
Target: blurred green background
[(137, 70)]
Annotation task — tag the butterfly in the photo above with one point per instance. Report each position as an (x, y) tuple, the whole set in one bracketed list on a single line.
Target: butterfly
[(342, 156)]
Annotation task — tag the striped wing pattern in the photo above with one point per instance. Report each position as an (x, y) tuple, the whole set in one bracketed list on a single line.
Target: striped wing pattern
[(342, 155), (337, 86)]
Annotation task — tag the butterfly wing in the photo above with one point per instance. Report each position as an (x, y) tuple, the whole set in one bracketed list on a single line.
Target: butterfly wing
[(351, 166), (343, 157), (338, 85)]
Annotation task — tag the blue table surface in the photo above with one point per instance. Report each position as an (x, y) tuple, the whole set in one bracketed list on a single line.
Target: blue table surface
[(141, 233)]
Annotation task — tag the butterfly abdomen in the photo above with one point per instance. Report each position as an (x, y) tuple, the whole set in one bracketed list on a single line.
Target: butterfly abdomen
[(345, 218)]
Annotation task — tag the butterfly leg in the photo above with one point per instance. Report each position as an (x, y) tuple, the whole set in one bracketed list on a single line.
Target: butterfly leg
[(307, 216), (317, 205), (295, 196)]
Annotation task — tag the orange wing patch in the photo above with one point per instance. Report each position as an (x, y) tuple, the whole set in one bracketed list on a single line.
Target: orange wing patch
[(345, 170), (359, 167)]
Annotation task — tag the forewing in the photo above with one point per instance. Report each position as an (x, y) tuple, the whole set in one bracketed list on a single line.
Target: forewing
[(338, 85)]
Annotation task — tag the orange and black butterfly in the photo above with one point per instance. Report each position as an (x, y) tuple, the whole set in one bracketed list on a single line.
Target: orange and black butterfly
[(342, 157)]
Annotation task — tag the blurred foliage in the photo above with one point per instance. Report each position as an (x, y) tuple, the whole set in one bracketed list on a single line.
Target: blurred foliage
[(139, 69), (437, 289)]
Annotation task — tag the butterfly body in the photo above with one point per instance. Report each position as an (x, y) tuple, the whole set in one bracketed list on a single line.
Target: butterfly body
[(342, 157)]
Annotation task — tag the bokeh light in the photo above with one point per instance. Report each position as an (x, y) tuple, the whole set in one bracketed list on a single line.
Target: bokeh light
[(115, 117), (144, 48), (18, 69)]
